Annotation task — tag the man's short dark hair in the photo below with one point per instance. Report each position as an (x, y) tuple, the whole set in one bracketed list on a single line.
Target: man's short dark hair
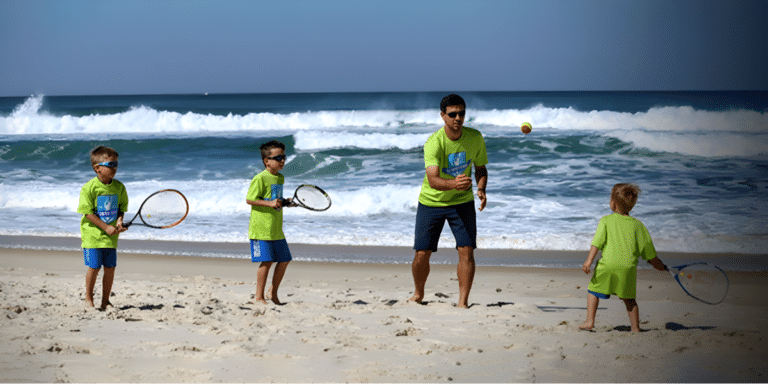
[(452, 99), (267, 147)]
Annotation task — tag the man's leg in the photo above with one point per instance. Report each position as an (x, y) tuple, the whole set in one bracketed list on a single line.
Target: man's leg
[(420, 271), (466, 274)]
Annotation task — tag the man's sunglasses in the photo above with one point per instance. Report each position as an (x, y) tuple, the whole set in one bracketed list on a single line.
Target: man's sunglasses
[(109, 164), (452, 115), (278, 158)]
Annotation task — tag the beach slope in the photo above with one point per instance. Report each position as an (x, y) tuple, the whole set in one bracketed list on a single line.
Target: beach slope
[(192, 319)]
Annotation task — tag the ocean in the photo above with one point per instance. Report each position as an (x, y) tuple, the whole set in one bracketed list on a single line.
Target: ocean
[(700, 159)]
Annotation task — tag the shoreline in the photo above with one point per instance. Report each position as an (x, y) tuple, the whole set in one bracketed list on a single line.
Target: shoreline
[(362, 254), (191, 319)]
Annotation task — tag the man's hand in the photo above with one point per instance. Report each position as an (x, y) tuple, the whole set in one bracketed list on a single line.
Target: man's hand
[(462, 182), (483, 199)]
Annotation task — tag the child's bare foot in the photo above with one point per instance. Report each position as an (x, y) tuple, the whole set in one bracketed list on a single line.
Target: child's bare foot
[(89, 302), (586, 327), (259, 301), (105, 305), (416, 298), (269, 296)]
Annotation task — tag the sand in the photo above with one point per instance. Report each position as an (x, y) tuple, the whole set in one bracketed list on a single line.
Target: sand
[(192, 319)]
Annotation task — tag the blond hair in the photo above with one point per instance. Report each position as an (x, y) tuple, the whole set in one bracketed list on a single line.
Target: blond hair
[(625, 196)]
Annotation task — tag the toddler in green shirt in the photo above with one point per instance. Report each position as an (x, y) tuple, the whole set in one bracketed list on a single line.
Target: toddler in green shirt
[(622, 240)]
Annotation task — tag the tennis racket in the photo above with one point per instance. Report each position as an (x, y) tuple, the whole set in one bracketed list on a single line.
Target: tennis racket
[(310, 197), (703, 281), (162, 209)]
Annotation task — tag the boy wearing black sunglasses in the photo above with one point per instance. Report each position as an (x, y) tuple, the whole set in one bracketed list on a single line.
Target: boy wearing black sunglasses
[(268, 244), (446, 194)]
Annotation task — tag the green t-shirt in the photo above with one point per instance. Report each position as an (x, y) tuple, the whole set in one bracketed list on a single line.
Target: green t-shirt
[(453, 158), (107, 201), (623, 240), (266, 222)]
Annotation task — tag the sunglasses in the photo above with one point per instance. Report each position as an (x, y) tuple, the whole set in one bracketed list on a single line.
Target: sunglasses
[(109, 164), (278, 158), (452, 115)]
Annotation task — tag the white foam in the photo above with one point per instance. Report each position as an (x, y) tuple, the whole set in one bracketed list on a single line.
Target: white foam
[(705, 144), (318, 140), (28, 119)]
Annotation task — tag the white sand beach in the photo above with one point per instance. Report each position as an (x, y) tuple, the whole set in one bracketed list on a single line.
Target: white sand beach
[(191, 319)]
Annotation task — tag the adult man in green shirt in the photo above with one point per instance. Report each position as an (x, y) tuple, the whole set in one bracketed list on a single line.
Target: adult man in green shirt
[(446, 194)]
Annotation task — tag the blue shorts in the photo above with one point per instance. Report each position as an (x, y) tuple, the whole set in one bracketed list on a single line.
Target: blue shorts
[(270, 250), (430, 221), (599, 295), (97, 257)]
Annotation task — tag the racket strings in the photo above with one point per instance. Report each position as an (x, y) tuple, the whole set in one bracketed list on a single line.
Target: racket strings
[(312, 197), (164, 208), (705, 283)]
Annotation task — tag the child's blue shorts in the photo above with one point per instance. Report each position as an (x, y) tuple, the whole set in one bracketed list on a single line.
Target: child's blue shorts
[(599, 295), (270, 250), (97, 257), (430, 221)]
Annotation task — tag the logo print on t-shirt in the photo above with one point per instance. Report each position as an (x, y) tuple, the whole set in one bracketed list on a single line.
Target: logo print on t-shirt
[(277, 191), (106, 208), (457, 164)]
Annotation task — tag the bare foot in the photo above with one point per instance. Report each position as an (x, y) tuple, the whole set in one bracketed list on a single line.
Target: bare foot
[(269, 296), (462, 306), (89, 302), (417, 298), (586, 327), (259, 301), (105, 305)]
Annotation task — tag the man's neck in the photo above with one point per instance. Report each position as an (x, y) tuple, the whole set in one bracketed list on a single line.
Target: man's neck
[(452, 135)]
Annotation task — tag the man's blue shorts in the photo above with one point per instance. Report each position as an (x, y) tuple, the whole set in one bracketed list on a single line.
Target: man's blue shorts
[(430, 220), (270, 250), (97, 257)]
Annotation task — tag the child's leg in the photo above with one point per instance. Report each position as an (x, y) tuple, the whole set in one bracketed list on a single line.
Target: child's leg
[(277, 277), (90, 283), (261, 281), (106, 286), (634, 314), (592, 302)]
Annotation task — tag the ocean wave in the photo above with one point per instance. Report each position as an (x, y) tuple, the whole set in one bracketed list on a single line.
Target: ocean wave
[(704, 144), (321, 140), (28, 119)]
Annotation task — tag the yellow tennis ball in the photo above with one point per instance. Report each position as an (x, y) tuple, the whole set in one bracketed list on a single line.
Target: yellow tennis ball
[(526, 128)]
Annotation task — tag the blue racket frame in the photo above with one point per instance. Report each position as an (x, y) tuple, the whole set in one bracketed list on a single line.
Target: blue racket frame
[(676, 275)]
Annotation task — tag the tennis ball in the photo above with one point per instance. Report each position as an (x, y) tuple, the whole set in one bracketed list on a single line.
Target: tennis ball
[(526, 128)]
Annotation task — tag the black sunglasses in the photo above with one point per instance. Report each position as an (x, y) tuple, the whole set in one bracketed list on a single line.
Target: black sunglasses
[(278, 158), (452, 115)]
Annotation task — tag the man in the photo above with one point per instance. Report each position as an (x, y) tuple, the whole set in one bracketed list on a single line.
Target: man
[(446, 194)]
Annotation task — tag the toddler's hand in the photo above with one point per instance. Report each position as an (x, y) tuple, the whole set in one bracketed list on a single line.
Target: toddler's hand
[(586, 268)]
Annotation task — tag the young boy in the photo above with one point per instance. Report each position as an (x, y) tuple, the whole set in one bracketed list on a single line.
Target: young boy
[(268, 245), (103, 202), (623, 240)]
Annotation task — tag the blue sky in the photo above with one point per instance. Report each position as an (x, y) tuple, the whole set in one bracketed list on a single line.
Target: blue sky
[(154, 47)]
